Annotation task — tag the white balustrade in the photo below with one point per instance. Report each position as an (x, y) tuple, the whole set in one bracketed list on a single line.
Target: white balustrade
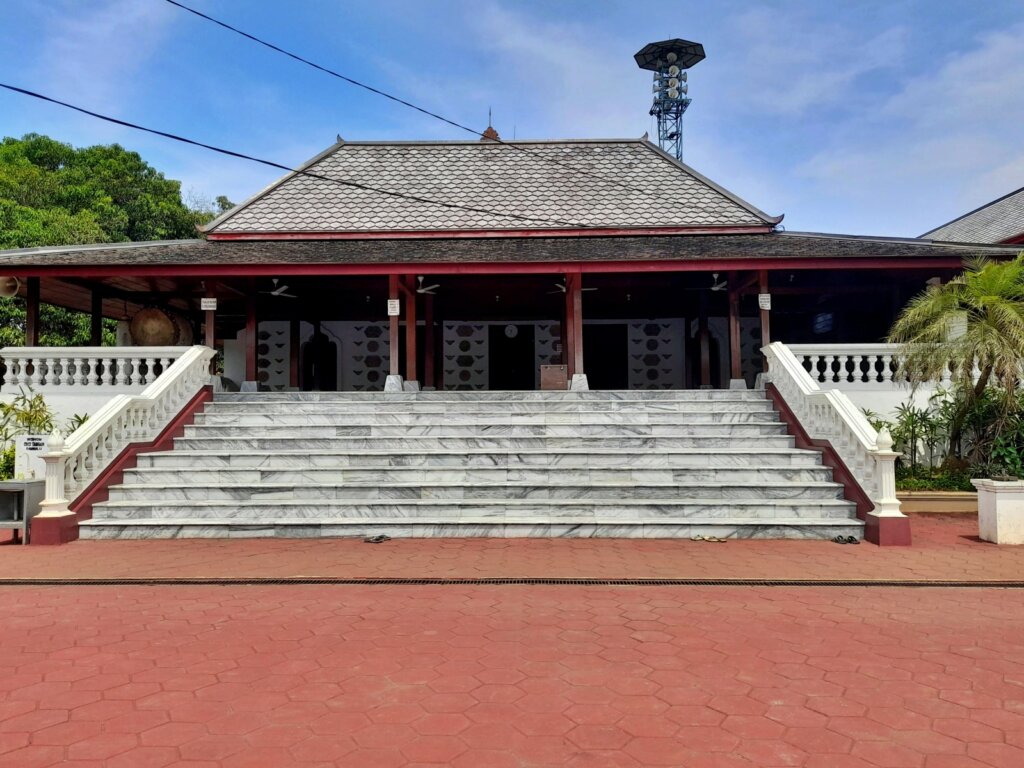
[(72, 464), (831, 415), (80, 369), (861, 366)]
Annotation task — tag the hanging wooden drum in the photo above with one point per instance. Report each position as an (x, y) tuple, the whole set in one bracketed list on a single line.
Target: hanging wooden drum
[(184, 329), (152, 327)]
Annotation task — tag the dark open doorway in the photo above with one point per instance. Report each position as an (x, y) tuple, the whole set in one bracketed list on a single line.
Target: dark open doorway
[(606, 355), (511, 356)]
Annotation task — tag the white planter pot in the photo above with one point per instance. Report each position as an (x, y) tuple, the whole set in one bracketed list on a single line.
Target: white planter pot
[(1000, 510)]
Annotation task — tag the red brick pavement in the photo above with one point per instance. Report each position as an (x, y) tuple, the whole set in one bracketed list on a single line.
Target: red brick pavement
[(944, 549), (495, 676)]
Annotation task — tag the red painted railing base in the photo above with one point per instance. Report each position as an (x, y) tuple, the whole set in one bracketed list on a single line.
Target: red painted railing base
[(61, 530), (54, 530), (887, 531), (884, 531)]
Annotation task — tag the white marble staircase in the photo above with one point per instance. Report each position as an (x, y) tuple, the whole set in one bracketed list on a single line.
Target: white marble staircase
[(545, 464)]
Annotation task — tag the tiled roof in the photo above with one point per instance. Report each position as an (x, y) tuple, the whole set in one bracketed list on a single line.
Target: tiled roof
[(996, 222), (514, 185), (763, 248)]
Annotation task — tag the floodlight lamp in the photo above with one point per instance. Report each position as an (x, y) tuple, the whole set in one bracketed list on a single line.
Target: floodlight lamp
[(673, 71), (672, 82), (672, 93), (671, 57)]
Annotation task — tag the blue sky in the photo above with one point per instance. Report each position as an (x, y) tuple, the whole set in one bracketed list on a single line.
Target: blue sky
[(884, 118)]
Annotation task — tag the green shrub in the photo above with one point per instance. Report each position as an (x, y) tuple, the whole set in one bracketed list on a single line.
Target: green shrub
[(7, 463)]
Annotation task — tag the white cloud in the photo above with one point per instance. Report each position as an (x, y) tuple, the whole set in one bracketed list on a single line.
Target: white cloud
[(93, 50), (785, 64), (944, 143)]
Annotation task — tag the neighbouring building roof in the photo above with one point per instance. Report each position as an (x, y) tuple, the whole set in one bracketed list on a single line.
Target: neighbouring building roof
[(515, 185), (764, 248), (1000, 221)]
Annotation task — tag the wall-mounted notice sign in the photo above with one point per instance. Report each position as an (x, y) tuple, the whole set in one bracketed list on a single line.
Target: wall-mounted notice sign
[(394, 308), (207, 304), (764, 301)]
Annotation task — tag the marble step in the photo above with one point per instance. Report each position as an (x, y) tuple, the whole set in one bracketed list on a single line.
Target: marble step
[(225, 490), (389, 475), (458, 509), (730, 528), (564, 459), (497, 407), (628, 444), (442, 431), (215, 417), (496, 395)]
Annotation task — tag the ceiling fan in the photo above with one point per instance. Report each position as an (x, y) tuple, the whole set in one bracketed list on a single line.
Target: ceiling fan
[(717, 285), (280, 291), (560, 288), (429, 290)]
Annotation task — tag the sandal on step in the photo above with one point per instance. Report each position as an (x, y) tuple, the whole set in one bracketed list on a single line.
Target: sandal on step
[(379, 539), (839, 539), (852, 540)]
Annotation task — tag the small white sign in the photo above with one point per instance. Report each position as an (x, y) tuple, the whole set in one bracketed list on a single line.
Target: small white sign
[(764, 301), (207, 304), (394, 308)]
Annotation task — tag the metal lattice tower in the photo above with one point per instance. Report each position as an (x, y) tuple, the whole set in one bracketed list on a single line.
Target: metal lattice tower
[(669, 60)]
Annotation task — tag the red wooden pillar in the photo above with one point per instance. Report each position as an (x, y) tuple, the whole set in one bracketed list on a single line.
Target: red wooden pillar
[(251, 334), (766, 334), (96, 319), (704, 339), (211, 316), (410, 330), (32, 312), (574, 323), (428, 341), (735, 368), (393, 368), (293, 353)]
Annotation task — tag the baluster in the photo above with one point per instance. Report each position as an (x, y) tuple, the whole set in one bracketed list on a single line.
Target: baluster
[(14, 368), (858, 369)]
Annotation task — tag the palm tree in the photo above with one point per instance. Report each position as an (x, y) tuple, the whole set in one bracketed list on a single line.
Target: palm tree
[(974, 324)]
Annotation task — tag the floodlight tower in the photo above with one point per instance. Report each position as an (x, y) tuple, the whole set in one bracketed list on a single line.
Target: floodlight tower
[(668, 60)]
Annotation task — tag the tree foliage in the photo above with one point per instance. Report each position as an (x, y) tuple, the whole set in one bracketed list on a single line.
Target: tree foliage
[(974, 324), (54, 194)]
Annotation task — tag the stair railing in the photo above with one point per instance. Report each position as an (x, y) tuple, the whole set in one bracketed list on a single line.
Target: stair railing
[(73, 463), (830, 415)]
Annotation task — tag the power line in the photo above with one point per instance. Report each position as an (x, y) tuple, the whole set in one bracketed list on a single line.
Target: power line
[(272, 164), (403, 102)]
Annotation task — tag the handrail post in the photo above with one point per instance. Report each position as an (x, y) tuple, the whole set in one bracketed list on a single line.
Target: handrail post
[(55, 523)]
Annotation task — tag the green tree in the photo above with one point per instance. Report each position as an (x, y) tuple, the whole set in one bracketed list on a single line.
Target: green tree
[(54, 194), (975, 325)]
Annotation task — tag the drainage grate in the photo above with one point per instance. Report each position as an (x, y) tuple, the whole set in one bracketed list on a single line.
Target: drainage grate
[(540, 581)]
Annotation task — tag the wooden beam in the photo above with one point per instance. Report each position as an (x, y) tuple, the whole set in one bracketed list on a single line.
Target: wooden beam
[(393, 286), (704, 338), (96, 319), (32, 312), (766, 333), (251, 327), (429, 350), (569, 326), (210, 321), (293, 353), (574, 296), (410, 333), (735, 368)]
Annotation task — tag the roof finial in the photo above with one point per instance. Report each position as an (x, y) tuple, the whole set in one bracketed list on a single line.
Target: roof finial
[(489, 134)]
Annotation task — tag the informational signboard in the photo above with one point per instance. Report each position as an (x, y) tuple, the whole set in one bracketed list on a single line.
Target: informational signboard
[(207, 304), (28, 464), (394, 308), (764, 301)]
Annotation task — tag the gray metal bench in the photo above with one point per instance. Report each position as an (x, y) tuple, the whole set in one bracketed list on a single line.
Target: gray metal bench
[(19, 503)]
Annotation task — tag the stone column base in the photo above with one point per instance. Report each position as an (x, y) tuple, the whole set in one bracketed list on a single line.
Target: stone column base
[(737, 383), (579, 383), (887, 530), (410, 386), (49, 529), (393, 384)]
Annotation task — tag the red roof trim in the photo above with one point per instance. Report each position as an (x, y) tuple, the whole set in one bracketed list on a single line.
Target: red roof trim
[(488, 233), (478, 268)]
